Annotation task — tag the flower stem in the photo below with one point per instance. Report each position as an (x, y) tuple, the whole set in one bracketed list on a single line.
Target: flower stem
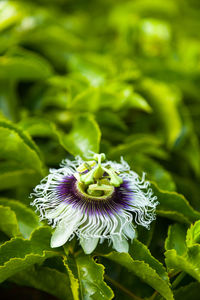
[(122, 288)]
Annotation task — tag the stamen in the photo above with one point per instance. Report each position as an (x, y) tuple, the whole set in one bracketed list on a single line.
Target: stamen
[(105, 196)]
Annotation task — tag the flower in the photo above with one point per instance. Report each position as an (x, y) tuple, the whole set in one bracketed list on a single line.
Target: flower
[(95, 200)]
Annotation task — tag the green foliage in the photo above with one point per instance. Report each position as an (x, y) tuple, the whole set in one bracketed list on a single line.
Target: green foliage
[(86, 277), (185, 253), (120, 77), (145, 266), (26, 219), (175, 206), (18, 254), (8, 222), (45, 279), (83, 138)]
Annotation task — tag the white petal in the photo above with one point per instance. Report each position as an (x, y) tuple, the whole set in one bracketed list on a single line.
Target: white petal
[(54, 213), (89, 244), (129, 230), (63, 231), (120, 244)]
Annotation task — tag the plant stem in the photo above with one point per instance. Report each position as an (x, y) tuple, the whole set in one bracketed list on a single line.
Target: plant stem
[(178, 279), (122, 288), (153, 295)]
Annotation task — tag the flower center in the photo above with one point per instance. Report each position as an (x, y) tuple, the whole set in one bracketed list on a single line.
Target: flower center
[(96, 181), (99, 195)]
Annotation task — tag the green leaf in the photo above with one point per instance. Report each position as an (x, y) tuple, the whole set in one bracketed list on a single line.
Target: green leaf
[(8, 99), (193, 234), (13, 175), (121, 96), (188, 292), (74, 280), (24, 64), (144, 271), (141, 143), (189, 263), (139, 251), (17, 146), (153, 169), (137, 101), (90, 277), (8, 221), (110, 119), (86, 101), (83, 138), (19, 254), (27, 220), (186, 259), (174, 206), (145, 266), (45, 279), (9, 15), (164, 101), (38, 127), (176, 239)]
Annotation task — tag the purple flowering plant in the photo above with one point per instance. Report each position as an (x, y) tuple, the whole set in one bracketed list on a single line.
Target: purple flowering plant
[(95, 200), (99, 150)]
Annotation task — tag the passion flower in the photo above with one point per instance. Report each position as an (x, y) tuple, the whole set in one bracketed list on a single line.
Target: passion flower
[(94, 200)]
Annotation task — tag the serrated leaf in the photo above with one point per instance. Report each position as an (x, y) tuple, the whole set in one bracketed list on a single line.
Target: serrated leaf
[(27, 220), (174, 206), (189, 260), (144, 271), (193, 234), (83, 138), (73, 277), (8, 221), (19, 254), (45, 279), (90, 278), (139, 251), (189, 263)]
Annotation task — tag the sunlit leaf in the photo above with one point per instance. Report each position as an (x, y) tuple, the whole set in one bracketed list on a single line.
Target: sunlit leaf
[(19, 254), (27, 220), (175, 206), (144, 271), (90, 277), (84, 137)]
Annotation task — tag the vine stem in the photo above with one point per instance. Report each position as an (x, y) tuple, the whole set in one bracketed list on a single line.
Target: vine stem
[(153, 296), (122, 288), (178, 280)]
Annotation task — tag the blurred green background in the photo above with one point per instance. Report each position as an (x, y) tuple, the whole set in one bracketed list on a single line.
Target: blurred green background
[(133, 66), (116, 76)]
